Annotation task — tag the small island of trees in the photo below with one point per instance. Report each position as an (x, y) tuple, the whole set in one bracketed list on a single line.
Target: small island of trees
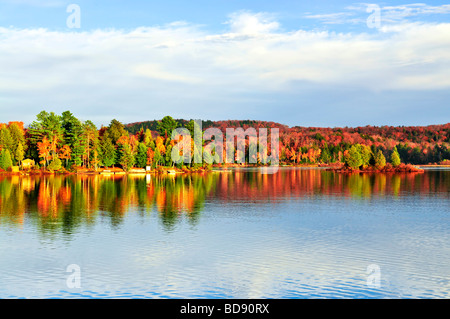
[(362, 158)]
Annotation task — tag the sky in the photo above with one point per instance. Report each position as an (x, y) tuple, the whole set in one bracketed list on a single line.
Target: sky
[(300, 63)]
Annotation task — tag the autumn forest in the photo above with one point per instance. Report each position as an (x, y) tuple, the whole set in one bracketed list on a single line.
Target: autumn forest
[(64, 143)]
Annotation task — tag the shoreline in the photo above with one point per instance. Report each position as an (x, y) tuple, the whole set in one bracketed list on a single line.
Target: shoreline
[(338, 168), (106, 172), (434, 165), (139, 171)]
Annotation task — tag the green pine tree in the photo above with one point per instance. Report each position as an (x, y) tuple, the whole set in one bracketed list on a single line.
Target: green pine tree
[(115, 130), (325, 156), (395, 158), (353, 157), (19, 154), (141, 155), (157, 158), (166, 126), (380, 160), (72, 133), (49, 125), (126, 157), (5, 159), (107, 152), (366, 154), (18, 140), (6, 141), (168, 157)]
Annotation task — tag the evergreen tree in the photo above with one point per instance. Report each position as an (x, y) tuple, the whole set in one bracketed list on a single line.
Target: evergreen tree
[(157, 157), (90, 140), (5, 159), (353, 157), (141, 155), (115, 130), (126, 157), (47, 125), (366, 154), (395, 158), (19, 154), (107, 152), (18, 138), (77, 153), (192, 126), (380, 160), (168, 157), (72, 133), (325, 156), (6, 141), (166, 126)]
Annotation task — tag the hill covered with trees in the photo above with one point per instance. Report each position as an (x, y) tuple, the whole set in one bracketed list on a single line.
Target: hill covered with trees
[(65, 143), (415, 144)]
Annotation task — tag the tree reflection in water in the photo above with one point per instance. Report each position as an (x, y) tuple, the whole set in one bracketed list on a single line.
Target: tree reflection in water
[(64, 203)]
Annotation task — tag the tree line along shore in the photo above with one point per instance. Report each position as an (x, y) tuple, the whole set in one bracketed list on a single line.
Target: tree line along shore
[(55, 143)]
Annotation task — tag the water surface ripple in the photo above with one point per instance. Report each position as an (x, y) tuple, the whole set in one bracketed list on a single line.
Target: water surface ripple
[(300, 233)]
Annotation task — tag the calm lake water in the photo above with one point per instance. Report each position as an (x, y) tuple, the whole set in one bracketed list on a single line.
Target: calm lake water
[(300, 233)]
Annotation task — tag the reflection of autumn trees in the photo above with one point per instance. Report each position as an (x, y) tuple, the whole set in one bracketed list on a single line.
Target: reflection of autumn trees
[(174, 195), (251, 185), (12, 200), (63, 203), (67, 202)]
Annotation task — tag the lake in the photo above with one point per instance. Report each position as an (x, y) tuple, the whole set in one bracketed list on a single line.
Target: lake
[(299, 233)]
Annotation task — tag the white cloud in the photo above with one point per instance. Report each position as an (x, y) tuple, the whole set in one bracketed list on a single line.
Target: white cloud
[(181, 69), (332, 18), (358, 14), (408, 10), (251, 23)]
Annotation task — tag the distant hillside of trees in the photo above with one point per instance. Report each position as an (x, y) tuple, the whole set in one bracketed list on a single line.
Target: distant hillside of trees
[(415, 144), (133, 128)]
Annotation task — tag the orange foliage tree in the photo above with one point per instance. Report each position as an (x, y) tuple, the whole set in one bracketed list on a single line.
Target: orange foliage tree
[(44, 149)]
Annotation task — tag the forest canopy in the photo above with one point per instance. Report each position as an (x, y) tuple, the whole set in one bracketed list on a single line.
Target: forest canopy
[(63, 141)]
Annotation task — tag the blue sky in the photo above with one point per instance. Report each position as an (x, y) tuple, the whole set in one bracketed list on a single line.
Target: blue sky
[(308, 63)]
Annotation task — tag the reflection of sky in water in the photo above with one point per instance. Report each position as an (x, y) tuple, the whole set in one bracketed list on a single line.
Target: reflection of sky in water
[(307, 237)]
